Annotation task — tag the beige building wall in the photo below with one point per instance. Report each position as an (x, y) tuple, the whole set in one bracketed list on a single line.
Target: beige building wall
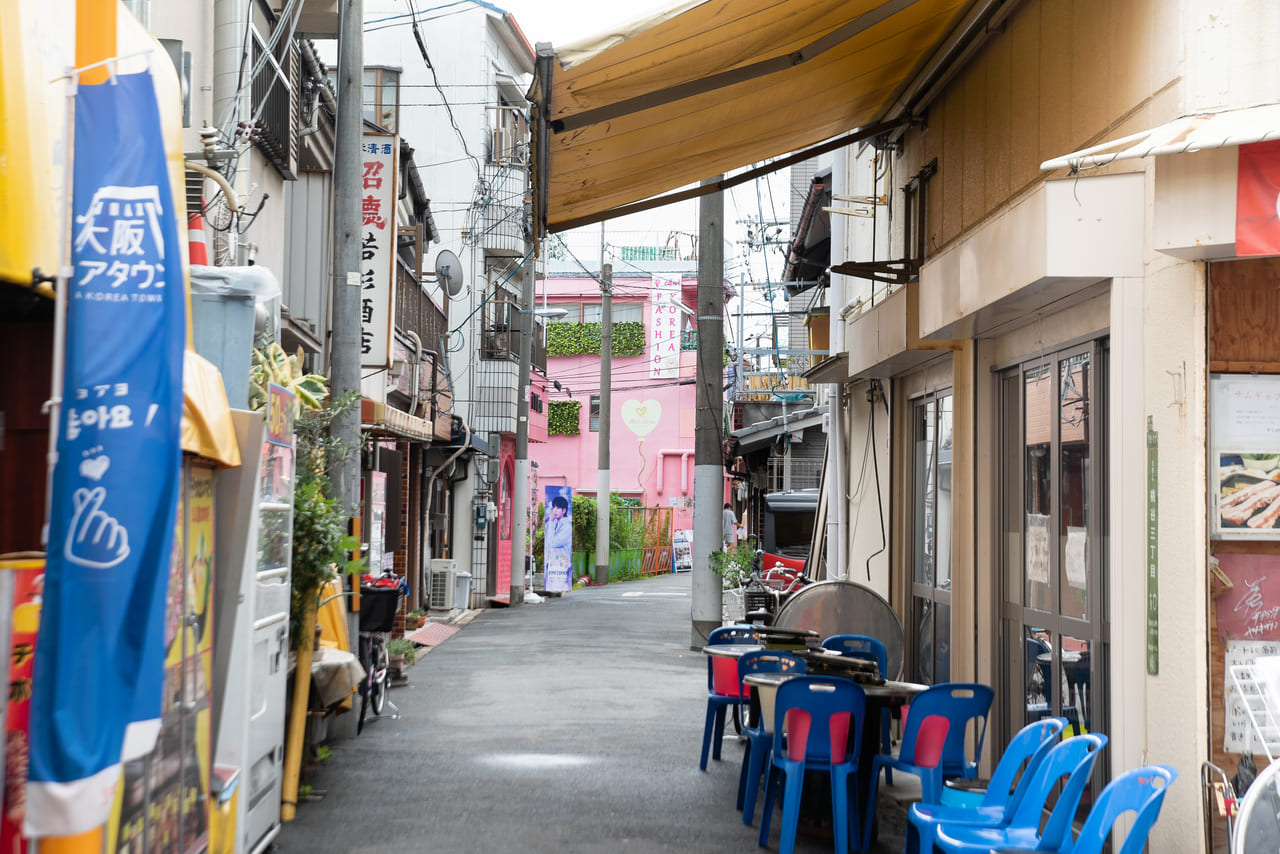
[(1064, 75)]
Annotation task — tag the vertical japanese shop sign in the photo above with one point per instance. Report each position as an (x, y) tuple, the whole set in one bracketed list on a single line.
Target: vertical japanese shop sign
[(1153, 549), (379, 155), (664, 329), (115, 486)]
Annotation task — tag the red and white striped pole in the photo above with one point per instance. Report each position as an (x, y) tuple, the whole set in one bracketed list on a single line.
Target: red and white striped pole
[(198, 249)]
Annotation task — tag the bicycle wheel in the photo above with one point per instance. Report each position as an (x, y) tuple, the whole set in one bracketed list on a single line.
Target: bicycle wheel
[(378, 687), (365, 684)]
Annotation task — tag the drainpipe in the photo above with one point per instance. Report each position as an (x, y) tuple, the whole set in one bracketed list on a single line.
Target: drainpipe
[(466, 441), (837, 508), (684, 467), (417, 370)]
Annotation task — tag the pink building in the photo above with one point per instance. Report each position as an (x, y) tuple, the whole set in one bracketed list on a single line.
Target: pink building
[(653, 391)]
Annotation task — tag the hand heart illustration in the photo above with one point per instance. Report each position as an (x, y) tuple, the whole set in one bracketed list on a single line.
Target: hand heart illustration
[(94, 467), (641, 417)]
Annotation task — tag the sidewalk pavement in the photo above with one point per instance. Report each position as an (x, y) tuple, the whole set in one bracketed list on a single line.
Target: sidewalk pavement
[(572, 725)]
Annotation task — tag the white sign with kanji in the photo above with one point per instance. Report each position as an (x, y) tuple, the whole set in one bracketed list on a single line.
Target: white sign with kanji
[(379, 155)]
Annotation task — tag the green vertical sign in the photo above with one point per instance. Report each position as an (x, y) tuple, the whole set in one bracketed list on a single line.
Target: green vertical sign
[(1153, 549)]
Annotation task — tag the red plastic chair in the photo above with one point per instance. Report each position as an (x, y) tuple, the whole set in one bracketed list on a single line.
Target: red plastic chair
[(723, 687)]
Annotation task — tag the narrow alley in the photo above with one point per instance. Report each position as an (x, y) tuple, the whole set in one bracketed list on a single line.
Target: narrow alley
[(568, 726)]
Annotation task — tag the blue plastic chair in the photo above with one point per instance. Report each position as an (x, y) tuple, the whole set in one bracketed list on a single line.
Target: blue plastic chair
[(756, 756), (818, 715), (723, 687), (869, 649), (1073, 758), (1142, 791), (941, 713), (1030, 746)]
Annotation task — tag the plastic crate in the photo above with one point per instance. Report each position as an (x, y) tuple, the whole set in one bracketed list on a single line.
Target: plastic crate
[(378, 606)]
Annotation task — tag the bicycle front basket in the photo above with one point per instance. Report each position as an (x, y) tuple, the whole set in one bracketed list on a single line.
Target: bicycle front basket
[(378, 607)]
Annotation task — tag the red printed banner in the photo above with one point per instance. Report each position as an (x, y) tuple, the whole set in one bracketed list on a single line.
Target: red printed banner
[(1250, 610), (1258, 200)]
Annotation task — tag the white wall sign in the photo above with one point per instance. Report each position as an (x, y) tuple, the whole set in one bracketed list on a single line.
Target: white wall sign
[(1238, 734), (379, 155), (664, 329)]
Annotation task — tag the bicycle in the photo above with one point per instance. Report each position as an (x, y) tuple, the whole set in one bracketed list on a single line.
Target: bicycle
[(379, 601)]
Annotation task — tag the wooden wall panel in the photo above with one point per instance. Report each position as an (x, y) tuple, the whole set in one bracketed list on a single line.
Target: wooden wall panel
[(1244, 316)]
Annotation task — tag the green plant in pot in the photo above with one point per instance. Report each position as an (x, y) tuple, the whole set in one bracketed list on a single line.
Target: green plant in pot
[(401, 653), (415, 618)]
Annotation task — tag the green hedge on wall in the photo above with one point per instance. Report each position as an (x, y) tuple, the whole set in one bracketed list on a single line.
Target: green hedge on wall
[(562, 417), (574, 339)]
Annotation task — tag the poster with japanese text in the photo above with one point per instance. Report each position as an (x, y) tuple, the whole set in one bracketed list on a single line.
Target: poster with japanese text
[(1245, 441), (379, 155)]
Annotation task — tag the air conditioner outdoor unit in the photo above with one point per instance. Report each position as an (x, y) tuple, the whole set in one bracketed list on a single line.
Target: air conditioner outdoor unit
[(443, 572)]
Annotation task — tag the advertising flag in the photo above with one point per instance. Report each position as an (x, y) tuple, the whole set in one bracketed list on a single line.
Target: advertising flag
[(96, 691), (557, 541)]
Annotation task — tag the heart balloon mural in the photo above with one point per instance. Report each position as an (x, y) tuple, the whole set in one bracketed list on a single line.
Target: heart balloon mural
[(641, 417)]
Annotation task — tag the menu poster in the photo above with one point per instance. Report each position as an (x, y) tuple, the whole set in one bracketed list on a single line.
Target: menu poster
[(1238, 735), (1245, 423)]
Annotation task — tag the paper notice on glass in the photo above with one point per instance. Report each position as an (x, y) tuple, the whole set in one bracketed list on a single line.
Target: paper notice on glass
[(1238, 735), (1037, 548), (1077, 557)]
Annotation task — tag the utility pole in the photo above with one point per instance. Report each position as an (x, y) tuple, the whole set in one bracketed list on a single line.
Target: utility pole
[(519, 546), (345, 356), (606, 367), (708, 463)]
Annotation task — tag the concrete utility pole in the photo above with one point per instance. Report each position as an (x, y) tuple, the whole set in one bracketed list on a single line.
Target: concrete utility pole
[(708, 464), (606, 368), (519, 546), (344, 358)]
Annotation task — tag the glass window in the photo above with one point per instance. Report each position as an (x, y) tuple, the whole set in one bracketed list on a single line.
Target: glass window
[(931, 536), (382, 97), (1053, 442), (593, 420)]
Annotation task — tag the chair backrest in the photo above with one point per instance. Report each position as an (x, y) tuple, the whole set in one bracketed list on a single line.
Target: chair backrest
[(733, 634), (766, 661), (1031, 745), (957, 703), (722, 673), (817, 718), (1034, 649), (861, 646), (1073, 758), (1140, 790), (769, 661)]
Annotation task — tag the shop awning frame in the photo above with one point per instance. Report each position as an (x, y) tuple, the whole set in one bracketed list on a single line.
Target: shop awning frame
[(711, 88), (1197, 132)]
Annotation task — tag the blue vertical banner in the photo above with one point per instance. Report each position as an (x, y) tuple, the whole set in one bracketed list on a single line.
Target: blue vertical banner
[(96, 693), (557, 541)]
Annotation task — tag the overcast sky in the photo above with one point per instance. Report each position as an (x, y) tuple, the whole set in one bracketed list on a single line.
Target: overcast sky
[(564, 21)]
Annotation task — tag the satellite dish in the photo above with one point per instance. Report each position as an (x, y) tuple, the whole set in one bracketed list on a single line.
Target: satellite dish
[(449, 272)]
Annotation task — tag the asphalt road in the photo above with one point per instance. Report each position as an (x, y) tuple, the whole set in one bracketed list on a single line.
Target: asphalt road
[(573, 725)]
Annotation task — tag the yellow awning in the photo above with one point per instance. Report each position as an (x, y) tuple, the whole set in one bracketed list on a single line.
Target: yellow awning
[(714, 87)]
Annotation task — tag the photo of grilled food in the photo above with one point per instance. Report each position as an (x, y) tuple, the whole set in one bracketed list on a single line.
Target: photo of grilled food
[(1249, 491)]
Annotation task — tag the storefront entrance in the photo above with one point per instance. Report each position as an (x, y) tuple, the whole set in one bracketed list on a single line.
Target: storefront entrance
[(1053, 530)]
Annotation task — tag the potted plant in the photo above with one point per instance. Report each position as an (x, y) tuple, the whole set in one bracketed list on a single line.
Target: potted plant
[(417, 618), (734, 565), (401, 654)]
